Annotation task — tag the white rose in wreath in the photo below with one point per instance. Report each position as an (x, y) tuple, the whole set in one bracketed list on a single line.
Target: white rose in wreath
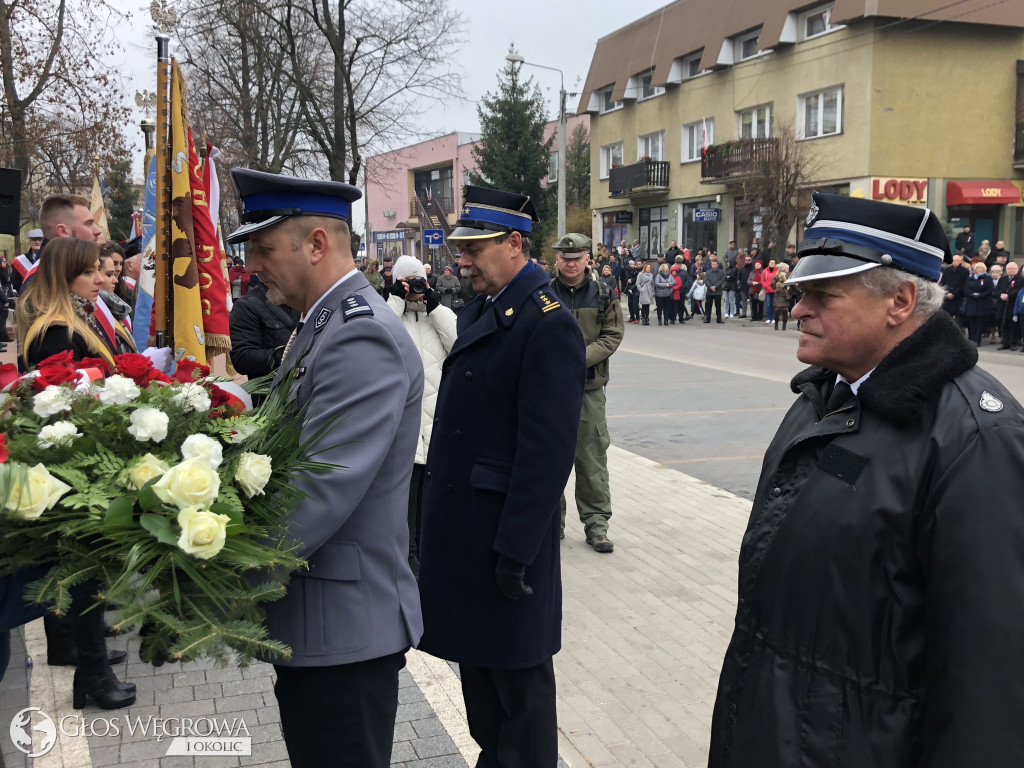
[(118, 390), (51, 401), (33, 492), (192, 483), (192, 396), (253, 473), (145, 469), (148, 424), (202, 532), (58, 433), (203, 447)]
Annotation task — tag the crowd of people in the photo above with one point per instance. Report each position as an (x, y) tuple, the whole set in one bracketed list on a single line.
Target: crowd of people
[(684, 285)]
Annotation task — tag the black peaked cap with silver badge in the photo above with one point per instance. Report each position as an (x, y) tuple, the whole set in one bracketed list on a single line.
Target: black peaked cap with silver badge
[(489, 213), (270, 198), (846, 235)]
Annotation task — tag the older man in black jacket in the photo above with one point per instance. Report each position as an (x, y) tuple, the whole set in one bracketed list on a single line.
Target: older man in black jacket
[(881, 571), (259, 331)]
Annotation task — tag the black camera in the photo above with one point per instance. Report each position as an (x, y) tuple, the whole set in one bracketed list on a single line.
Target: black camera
[(417, 284)]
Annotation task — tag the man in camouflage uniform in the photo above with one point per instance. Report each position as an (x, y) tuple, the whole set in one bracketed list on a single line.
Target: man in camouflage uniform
[(600, 319)]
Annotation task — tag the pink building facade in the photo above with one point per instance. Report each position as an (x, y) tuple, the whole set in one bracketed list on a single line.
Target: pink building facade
[(422, 183)]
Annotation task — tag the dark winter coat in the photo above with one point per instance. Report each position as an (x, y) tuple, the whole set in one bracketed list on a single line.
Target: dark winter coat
[(881, 575), (953, 280), (1011, 286), (503, 444), (259, 332), (978, 295)]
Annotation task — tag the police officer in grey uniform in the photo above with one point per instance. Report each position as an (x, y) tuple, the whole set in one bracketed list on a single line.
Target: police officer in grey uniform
[(356, 381)]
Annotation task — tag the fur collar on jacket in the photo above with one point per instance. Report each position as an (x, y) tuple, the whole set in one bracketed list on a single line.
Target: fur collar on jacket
[(910, 376)]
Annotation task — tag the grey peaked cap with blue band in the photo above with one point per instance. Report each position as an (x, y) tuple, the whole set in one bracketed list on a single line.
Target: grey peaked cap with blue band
[(846, 235), (270, 198)]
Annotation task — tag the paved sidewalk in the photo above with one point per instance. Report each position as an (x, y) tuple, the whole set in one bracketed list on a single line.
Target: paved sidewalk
[(644, 633)]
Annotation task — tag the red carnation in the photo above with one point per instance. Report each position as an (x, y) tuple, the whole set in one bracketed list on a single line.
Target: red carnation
[(136, 367), (224, 405), (55, 370), (187, 370), (4, 453)]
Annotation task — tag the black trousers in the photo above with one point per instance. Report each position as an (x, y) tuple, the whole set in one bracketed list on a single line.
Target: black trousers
[(714, 301), (341, 716), (419, 472), (512, 715), (80, 631)]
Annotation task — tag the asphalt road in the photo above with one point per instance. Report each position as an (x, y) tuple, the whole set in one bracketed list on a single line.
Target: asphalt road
[(706, 399)]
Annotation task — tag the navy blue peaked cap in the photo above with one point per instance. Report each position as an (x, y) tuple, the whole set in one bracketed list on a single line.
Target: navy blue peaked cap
[(492, 213), (846, 235), (270, 198)]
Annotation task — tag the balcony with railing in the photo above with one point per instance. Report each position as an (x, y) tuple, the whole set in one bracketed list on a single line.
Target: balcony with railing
[(644, 178), (735, 159), (1018, 147)]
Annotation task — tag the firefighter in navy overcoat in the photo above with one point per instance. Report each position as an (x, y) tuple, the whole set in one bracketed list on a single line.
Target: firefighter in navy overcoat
[(502, 448)]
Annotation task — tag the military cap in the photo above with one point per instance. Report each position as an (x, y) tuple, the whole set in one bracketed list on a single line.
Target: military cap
[(572, 245), (846, 235), (492, 213), (35, 234), (270, 198)]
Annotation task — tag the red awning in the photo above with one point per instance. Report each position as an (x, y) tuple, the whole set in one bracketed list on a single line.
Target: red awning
[(982, 193)]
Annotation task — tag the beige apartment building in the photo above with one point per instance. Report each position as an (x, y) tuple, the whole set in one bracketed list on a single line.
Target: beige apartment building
[(890, 99)]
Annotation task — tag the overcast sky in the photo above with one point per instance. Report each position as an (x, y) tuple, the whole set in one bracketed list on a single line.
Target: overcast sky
[(555, 33)]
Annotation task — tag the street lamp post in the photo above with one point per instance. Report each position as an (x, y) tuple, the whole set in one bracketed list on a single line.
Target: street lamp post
[(515, 58)]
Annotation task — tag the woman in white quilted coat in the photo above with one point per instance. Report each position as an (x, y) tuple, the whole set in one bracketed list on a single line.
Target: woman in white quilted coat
[(432, 327)]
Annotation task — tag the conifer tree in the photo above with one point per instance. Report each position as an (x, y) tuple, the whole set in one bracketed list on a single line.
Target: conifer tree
[(512, 153), (122, 198)]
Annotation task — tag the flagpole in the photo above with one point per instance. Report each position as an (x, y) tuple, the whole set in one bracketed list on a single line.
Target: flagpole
[(161, 306)]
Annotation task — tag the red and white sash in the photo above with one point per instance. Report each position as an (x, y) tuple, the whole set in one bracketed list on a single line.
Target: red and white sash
[(107, 322), (25, 266), (129, 281)]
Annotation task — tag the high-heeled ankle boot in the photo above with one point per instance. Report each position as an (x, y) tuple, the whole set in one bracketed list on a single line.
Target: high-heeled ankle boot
[(103, 687)]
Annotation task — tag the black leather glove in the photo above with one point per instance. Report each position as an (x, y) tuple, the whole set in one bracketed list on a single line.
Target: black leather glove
[(432, 299), (509, 574), (397, 289)]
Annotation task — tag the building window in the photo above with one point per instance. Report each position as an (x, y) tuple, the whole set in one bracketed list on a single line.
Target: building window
[(746, 45), (755, 123), (651, 146), (820, 113), (611, 156), (553, 167), (646, 87), (817, 21), (691, 66), (697, 136), (607, 105)]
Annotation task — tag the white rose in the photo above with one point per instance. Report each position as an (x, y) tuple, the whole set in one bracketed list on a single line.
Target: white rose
[(145, 469), (33, 491), (203, 447), (192, 483), (148, 424), (253, 473), (58, 433), (118, 390), (202, 532), (51, 401), (192, 396)]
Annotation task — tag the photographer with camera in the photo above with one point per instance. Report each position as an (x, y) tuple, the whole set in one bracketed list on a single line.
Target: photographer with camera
[(433, 329)]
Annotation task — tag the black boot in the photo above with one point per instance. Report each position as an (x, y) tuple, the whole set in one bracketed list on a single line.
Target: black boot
[(103, 687)]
